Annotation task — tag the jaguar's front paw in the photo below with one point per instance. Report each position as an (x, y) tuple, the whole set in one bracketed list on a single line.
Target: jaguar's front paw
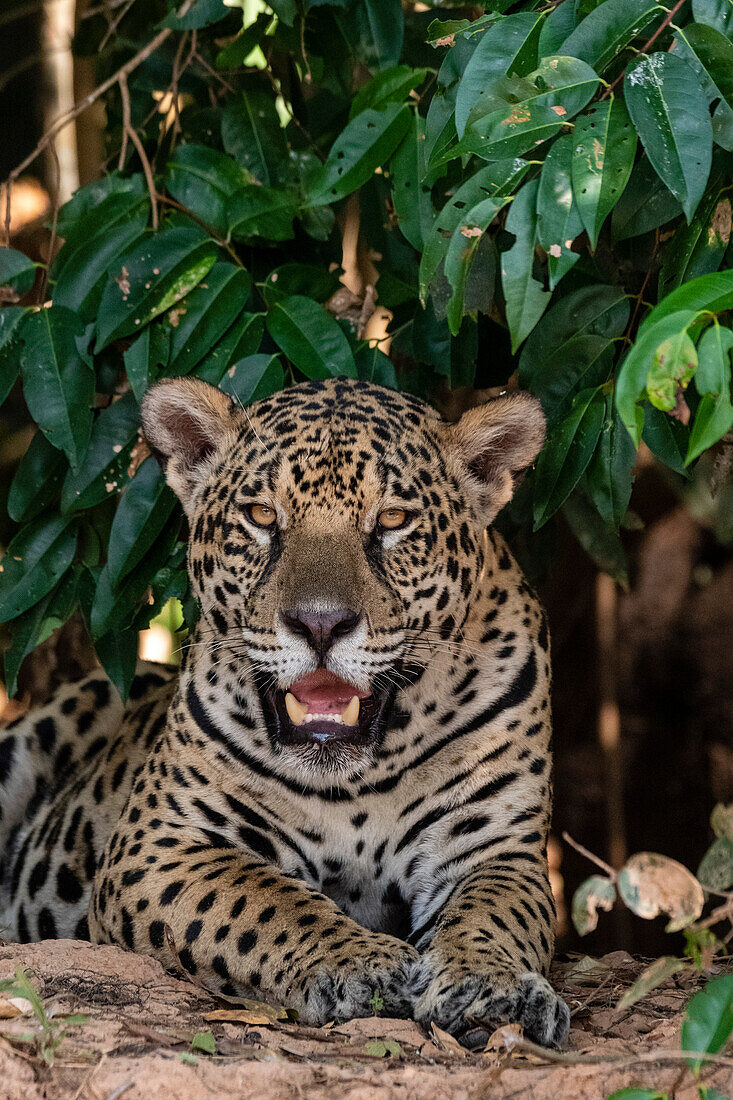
[(369, 977), (455, 999)]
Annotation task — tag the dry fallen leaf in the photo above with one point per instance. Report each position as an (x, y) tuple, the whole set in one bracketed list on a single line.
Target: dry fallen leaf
[(11, 1007), (250, 1012), (447, 1042), (504, 1039)]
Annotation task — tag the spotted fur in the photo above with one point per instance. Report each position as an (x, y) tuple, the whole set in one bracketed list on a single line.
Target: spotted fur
[(412, 865)]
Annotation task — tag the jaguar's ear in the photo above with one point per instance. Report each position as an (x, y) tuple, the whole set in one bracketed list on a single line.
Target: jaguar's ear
[(492, 443), (185, 421)]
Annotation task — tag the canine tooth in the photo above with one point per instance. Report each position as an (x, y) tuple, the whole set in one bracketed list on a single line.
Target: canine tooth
[(350, 716), (296, 710)]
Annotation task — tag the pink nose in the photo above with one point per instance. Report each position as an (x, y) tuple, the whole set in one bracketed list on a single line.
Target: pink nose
[(321, 628)]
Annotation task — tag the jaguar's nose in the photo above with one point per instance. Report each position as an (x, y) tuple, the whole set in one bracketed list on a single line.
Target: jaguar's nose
[(321, 629)]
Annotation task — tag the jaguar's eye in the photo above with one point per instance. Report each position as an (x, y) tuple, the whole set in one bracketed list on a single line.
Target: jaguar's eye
[(392, 519), (262, 515)]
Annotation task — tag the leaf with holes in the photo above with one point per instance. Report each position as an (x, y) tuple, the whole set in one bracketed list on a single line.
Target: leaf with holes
[(604, 146), (411, 186), (204, 180), (390, 86), (600, 37), (461, 253), (198, 319), (367, 142), (105, 467), (673, 365), (670, 112)]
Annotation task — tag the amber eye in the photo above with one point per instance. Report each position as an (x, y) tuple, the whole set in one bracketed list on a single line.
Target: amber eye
[(391, 519), (262, 515)]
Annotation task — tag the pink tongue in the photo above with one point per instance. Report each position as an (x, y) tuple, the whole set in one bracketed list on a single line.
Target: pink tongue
[(324, 693)]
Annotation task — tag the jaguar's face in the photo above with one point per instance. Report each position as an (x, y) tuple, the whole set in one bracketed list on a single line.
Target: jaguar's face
[(336, 537)]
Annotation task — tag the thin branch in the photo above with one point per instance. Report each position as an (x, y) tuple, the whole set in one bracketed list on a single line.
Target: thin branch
[(134, 137), (114, 24), (68, 116), (168, 201), (589, 855), (52, 242), (665, 23), (526, 1046)]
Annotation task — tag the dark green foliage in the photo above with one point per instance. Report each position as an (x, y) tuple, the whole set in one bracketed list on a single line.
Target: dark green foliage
[(549, 183)]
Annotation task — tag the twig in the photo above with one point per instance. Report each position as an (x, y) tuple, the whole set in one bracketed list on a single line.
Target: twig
[(132, 133), (114, 24), (526, 1046), (52, 242), (212, 72), (73, 112), (589, 855), (168, 201), (665, 23)]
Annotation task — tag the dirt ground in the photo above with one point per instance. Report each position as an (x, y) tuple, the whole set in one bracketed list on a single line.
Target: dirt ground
[(136, 1042)]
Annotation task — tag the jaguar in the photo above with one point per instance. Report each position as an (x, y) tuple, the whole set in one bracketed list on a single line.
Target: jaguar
[(344, 792)]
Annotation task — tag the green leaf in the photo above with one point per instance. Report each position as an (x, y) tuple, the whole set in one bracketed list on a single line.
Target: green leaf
[(58, 384), (488, 183), (666, 438), (632, 378), (200, 317), (252, 134), (117, 652), (632, 1093), (16, 271), (297, 278), (599, 541), (204, 180), (254, 377), (714, 13), (509, 46), (669, 110), (604, 146), (201, 13), (558, 24), (579, 362), (37, 624), (708, 1021), (558, 217), (114, 604), (10, 318), (526, 300), (243, 338), (721, 820), (605, 31), (651, 978), (566, 454), (697, 248), (389, 86), (381, 1048), (262, 212), (204, 1041), (146, 356), (595, 893), (644, 204), (34, 562), (712, 293), (554, 346), (311, 338), (146, 505), (522, 111), (715, 53), (461, 254), (367, 142), (714, 414), (673, 365), (372, 365), (37, 480), (412, 186), (104, 468), (608, 476), (723, 126), (716, 867), (374, 29), (150, 278)]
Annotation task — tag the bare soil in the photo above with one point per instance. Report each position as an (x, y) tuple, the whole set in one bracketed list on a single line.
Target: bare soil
[(136, 1043)]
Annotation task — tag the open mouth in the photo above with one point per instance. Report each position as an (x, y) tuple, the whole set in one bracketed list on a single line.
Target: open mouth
[(322, 709)]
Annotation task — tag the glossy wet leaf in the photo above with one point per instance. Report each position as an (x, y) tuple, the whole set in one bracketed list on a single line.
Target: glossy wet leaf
[(509, 46), (558, 217), (37, 481), (411, 186), (145, 508), (198, 320), (669, 110), (593, 894), (58, 383), (714, 51), (607, 29), (367, 142), (204, 180), (104, 470), (34, 562), (252, 134), (254, 377), (604, 146), (708, 1022), (714, 13), (310, 338), (390, 86), (146, 357), (666, 438), (372, 365), (526, 299), (115, 604), (10, 319), (651, 884), (150, 278), (566, 454)]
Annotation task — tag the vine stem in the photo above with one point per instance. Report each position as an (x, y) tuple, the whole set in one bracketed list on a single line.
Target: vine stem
[(665, 23), (128, 130), (68, 116), (589, 855)]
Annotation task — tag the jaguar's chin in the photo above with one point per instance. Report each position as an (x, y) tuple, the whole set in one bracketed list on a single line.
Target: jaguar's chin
[(325, 719)]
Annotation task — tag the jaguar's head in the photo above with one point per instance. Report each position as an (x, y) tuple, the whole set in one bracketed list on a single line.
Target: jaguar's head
[(336, 538)]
